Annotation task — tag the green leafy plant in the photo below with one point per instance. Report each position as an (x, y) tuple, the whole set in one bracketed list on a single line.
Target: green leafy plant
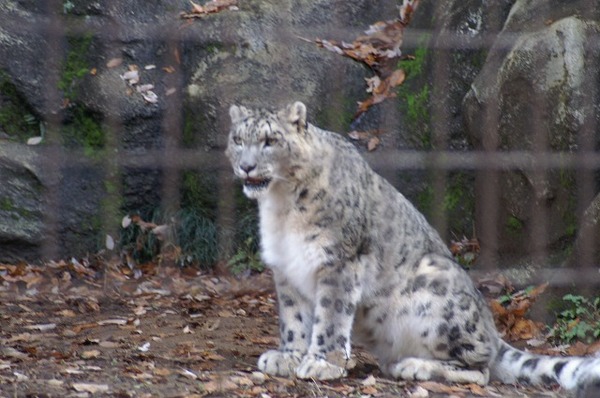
[(246, 259), (68, 6), (580, 320), (509, 297), (84, 129), (191, 232)]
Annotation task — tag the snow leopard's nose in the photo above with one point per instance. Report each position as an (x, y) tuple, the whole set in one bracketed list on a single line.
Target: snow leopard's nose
[(247, 167)]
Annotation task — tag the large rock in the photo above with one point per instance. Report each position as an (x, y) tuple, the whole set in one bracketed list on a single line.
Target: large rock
[(22, 201), (536, 92), (44, 204)]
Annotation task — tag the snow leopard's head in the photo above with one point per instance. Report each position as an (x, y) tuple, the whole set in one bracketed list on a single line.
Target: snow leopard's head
[(266, 147)]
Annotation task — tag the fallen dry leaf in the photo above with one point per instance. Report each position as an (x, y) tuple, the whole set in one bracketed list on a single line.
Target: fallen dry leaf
[(593, 348), (90, 354), (34, 140), (114, 62), (477, 390), (373, 144), (369, 390), (188, 374), (144, 347), (434, 386), (90, 387), (67, 313), (418, 392), (42, 327), (13, 353), (109, 242), (369, 381), (219, 384), (359, 135), (210, 7), (510, 318), (132, 77), (108, 344), (112, 322), (150, 97)]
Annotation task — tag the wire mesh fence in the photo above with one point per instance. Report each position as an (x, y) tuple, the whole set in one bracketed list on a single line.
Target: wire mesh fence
[(128, 250)]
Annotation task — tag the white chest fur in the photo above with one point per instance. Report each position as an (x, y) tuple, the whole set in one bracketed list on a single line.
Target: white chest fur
[(284, 245)]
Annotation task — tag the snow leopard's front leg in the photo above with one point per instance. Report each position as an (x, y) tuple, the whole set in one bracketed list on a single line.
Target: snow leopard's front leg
[(338, 292), (295, 320)]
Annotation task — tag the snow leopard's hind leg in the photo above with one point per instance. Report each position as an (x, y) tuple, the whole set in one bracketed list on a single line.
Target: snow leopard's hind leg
[(433, 369), (461, 340)]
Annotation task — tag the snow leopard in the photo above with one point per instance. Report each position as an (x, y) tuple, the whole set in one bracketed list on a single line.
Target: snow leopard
[(354, 261)]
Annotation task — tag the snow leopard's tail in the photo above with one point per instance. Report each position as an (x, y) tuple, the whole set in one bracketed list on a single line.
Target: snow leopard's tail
[(578, 374)]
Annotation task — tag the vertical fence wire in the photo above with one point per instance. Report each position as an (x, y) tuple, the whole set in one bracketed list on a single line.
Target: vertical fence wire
[(53, 165)]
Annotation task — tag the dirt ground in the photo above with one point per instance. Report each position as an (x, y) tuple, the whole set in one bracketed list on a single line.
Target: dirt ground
[(73, 329)]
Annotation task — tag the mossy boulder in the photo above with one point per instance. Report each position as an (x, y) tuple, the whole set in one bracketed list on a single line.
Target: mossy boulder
[(21, 203), (538, 86)]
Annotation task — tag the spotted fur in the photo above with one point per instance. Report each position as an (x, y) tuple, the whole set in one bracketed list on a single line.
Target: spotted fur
[(353, 259)]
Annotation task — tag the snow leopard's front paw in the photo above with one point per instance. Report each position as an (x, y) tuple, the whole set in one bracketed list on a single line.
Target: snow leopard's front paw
[(318, 368), (279, 363)]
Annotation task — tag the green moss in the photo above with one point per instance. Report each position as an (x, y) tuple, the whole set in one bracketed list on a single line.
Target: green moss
[(215, 48), (6, 204), (417, 114), (455, 194), (111, 205), (416, 67), (414, 95), (457, 200), (567, 182), (110, 187), (478, 58), (75, 65), (514, 225), (337, 118), (425, 201), (94, 224), (17, 118), (82, 127), (192, 122)]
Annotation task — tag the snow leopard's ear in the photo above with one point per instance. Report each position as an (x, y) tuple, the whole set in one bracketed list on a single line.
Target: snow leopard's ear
[(238, 113), (295, 114)]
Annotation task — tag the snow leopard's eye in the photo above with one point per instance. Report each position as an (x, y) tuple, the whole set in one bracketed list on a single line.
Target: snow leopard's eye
[(237, 140), (270, 141)]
